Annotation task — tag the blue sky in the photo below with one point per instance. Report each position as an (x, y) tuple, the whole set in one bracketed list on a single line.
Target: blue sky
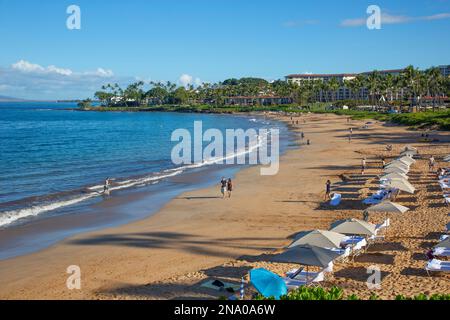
[(208, 40)]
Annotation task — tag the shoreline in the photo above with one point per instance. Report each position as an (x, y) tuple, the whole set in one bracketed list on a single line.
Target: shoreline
[(195, 236), (97, 213)]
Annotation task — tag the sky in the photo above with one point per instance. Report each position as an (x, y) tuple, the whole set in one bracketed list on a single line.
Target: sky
[(195, 41)]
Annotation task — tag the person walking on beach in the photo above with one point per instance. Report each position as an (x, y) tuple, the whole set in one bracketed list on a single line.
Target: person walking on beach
[(229, 187), (328, 190), (383, 162), (366, 215), (431, 164), (303, 135), (223, 187)]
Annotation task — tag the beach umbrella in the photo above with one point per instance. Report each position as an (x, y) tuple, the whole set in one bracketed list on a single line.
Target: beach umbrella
[(443, 244), (407, 160), (354, 227), (397, 164), (268, 283), (409, 148), (394, 175), (395, 169), (401, 185), (408, 154), (318, 238), (307, 255), (388, 207)]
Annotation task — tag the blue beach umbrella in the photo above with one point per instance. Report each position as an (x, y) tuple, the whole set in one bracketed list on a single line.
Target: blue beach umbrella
[(268, 283)]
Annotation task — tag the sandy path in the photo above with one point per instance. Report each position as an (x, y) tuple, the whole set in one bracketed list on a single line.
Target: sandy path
[(198, 236)]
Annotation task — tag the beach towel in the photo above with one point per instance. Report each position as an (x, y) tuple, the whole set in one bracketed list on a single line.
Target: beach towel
[(221, 286)]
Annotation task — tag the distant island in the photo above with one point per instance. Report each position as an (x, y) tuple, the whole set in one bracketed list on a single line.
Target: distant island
[(11, 99)]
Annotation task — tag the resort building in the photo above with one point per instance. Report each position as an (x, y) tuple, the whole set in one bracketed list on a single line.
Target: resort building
[(445, 70), (343, 92)]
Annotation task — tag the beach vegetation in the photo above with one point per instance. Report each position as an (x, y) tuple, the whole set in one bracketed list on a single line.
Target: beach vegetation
[(336, 293)]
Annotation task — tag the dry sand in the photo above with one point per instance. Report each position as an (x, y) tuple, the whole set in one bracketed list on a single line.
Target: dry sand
[(197, 236)]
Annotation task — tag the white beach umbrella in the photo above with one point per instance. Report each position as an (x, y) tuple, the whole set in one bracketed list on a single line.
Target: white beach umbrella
[(387, 206), (397, 163), (395, 169), (318, 238), (354, 227), (408, 153), (407, 160), (409, 148), (401, 185), (394, 175)]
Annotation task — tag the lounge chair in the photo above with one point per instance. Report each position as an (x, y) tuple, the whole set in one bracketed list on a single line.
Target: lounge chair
[(354, 242), (443, 237), (437, 266), (441, 252), (302, 279), (383, 225)]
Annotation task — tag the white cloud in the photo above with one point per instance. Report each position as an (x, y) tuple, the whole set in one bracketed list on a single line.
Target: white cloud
[(387, 18), (100, 72), (185, 79), (61, 71), (29, 80), (26, 66)]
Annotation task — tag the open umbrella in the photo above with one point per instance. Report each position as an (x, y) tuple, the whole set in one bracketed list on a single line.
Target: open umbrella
[(319, 238), (394, 175), (407, 160), (408, 154), (268, 283), (395, 169), (401, 185), (387, 206), (397, 164), (307, 255), (409, 148), (354, 227)]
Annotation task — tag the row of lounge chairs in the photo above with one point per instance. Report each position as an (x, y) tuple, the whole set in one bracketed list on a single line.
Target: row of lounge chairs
[(442, 249)]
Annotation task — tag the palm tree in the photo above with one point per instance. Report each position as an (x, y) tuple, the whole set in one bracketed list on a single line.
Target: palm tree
[(410, 79), (373, 84), (334, 86)]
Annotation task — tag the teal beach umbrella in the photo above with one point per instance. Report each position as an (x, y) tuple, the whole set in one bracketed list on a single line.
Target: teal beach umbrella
[(268, 283)]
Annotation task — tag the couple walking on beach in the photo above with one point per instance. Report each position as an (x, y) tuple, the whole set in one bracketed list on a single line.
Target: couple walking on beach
[(226, 187)]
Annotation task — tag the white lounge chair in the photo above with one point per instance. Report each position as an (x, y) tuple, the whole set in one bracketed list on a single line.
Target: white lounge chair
[(437, 266), (383, 225), (302, 279), (441, 252)]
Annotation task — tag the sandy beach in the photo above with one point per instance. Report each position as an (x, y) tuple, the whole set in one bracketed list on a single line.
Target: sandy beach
[(199, 236)]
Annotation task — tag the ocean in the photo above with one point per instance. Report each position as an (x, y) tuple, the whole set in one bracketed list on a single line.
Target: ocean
[(54, 159)]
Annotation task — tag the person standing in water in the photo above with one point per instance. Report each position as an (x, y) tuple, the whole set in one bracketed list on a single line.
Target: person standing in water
[(223, 187), (106, 187), (229, 187)]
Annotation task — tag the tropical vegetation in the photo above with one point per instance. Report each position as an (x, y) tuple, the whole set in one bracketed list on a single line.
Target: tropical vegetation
[(336, 293), (410, 87)]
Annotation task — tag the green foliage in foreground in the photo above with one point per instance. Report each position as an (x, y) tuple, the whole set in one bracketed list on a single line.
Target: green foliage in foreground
[(335, 293)]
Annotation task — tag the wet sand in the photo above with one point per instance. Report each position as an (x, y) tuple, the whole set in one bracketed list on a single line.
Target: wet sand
[(198, 236)]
